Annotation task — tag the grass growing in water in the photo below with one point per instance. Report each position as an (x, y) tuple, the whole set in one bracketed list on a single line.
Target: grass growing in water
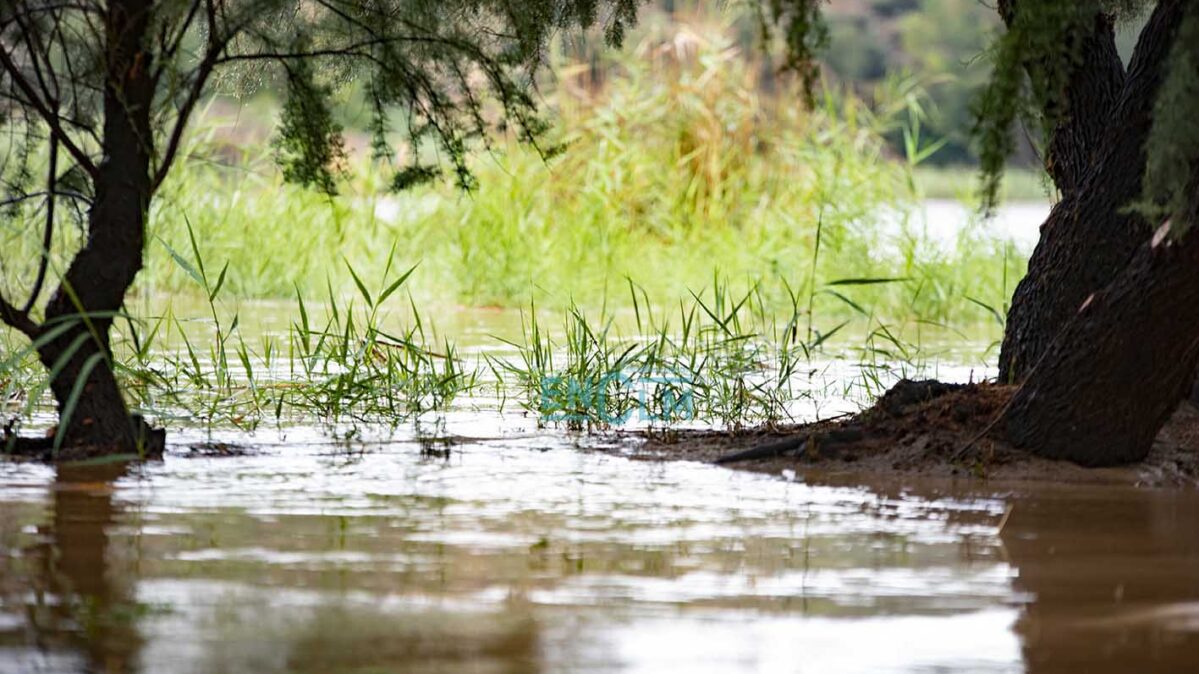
[(342, 367), (724, 358)]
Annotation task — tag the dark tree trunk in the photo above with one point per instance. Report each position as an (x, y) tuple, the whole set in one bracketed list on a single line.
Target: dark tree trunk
[(1097, 159), (94, 287), (1084, 244), (1103, 333), (1115, 373), (1092, 93)]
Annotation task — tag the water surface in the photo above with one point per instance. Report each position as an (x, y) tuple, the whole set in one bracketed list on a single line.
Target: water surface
[(519, 553)]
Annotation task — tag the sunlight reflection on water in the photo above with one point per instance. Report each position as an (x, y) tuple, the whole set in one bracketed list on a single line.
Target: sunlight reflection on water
[(519, 553), (565, 555)]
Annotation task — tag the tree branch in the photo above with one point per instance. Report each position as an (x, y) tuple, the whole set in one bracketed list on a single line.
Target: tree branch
[(50, 117), (18, 320), (185, 112), (54, 7), (37, 51), (212, 58), (37, 195), (48, 232), (169, 49)]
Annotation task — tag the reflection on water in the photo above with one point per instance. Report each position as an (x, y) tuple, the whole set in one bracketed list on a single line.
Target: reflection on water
[(1116, 576), (74, 595), (504, 558)]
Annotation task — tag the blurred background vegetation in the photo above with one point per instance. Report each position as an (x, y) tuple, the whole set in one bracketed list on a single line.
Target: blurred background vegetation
[(683, 158)]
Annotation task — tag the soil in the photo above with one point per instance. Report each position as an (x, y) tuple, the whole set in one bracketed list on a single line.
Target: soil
[(924, 428)]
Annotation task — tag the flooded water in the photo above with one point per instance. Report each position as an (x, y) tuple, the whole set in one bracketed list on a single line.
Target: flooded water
[(520, 553), (487, 545)]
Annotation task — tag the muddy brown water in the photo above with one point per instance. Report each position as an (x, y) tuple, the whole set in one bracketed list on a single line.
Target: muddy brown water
[(519, 553)]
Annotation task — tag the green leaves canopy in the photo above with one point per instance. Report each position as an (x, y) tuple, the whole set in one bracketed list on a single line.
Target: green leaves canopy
[(451, 70)]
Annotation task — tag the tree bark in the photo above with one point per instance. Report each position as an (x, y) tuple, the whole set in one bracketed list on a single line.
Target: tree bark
[(1103, 333), (1112, 377), (93, 289), (1090, 98), (1089, 236)]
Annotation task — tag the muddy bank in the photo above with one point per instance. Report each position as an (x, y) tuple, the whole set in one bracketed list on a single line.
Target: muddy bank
[(924, 429)]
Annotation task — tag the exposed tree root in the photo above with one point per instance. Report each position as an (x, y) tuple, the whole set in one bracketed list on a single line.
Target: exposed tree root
[(926, 428)]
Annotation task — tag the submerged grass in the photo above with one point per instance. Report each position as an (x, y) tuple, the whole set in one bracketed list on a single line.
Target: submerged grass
[(344, 367), (723, 357)]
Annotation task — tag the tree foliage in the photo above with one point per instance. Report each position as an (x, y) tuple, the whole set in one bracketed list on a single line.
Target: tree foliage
[(436, 64), (1035, 63), (450, 73), (803, 33), (1173, 146)]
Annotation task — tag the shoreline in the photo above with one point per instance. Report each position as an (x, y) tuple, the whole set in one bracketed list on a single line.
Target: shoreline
[(922, 429)]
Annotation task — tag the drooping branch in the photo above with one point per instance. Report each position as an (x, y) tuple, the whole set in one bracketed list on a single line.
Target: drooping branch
[(37, 51), (360, 49), (17, 319), (215, 45), (803, 32), (195, 92), (171, 46), (1089, 101), (49, 8), (1172, 149)]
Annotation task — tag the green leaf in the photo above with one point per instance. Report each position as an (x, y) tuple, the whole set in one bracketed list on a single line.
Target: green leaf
[(220, 281), (990, 309), (68, 409), (361, 286), (825, 337), (191, 236), (856, 307), (182, 262), (396, 285)]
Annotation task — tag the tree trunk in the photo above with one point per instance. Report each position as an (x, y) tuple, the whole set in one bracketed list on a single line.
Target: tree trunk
[(1084, 244), (93, 289), (1091, 95), (1111, 378), (98, 422), (1103, 333), (1089, 237)]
